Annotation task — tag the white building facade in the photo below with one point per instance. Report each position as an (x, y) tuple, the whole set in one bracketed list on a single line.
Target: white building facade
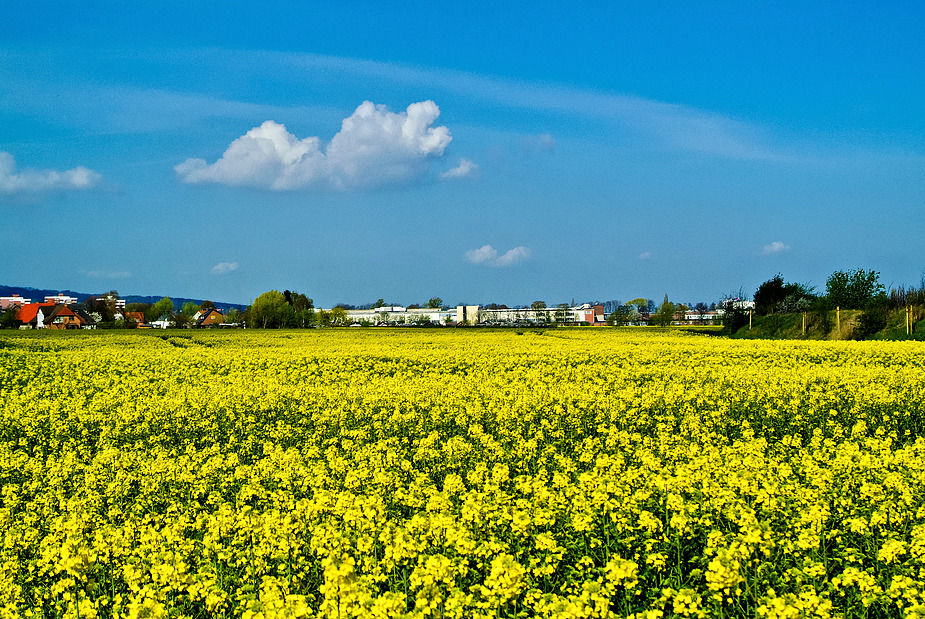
[(63, 299)]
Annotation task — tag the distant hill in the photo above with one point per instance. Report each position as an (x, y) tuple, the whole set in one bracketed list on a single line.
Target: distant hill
[(39, 294)]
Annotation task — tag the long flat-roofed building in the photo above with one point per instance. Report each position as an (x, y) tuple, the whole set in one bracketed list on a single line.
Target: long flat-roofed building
[(13, 301), (62, 299)]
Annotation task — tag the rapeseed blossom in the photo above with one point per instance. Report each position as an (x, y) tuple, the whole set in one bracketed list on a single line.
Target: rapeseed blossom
[(459, 473)]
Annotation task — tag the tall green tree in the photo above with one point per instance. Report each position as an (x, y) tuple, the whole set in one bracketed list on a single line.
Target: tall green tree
[(189, 309), (301, 302), (233, 316), (339, 317), (735, 315), (770, 295), (874, 318), (164, 307), (100, 306), (853, 289), (139, 308), (266, 310), (623, 314), (665, 313), (180, 320), (304, 310), (8, 318), (701, 308), (777, 296)]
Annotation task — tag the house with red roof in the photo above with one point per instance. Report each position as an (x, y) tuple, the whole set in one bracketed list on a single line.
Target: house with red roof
[(208, 318), (138, 318), (27, 316), (49, 316)]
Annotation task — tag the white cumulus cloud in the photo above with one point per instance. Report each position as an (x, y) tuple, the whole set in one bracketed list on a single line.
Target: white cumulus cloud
[(512, 256), (27, 181), (489, 256), (465, 168), (374, 147), (483, 254), (223, 268), (775, 248)]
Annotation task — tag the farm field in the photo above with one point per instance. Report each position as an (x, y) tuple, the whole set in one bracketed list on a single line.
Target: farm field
[(459, 473)]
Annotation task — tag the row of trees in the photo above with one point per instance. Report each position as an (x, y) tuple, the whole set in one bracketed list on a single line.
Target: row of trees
[(432, 303), (645, 310), (855, 289), (274, 309), (104, 311), (293, 310)]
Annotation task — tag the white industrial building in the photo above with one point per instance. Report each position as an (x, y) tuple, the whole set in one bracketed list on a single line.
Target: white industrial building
[(476, 314), (62, 299)]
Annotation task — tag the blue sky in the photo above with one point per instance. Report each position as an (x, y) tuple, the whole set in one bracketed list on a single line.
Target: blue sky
[(481, 152)]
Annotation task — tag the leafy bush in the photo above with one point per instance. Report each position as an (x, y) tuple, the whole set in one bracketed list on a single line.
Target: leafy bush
[(853, 289), (775, 296), (874, 319), (735, 316)]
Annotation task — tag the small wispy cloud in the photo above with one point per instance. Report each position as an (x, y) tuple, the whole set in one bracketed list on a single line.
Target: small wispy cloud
[(489, 256), (375, 147), (224, 268), (100, 274), (645, 255), (543, 142), (465, 168), (660, 124), (677, 126), (663, 124), (37, 182), (776, 247)]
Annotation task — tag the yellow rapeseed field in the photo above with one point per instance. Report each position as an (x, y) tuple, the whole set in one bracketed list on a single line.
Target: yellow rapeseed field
[(459, 473)]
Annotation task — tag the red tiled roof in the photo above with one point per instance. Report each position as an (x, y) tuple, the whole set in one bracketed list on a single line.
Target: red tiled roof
[(63, 310), (28, 311)]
